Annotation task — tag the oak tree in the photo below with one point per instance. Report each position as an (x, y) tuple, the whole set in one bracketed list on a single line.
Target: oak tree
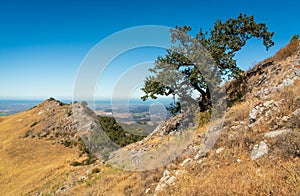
[(188, 68)]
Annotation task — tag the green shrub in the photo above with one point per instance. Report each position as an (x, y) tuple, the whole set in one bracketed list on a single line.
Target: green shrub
[(116, 133)]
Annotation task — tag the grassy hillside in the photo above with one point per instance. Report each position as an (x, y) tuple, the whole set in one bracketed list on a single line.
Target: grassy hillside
[(34, 157), (28, 163)]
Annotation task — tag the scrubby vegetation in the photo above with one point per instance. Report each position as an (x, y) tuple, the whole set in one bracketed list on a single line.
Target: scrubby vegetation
[(116, 133), (289, 50)]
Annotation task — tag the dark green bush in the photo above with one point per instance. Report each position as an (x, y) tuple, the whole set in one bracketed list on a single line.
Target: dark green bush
[(116, 133)]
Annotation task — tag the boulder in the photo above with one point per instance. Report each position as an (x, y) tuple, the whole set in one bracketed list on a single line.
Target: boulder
[(185, 162), (259, 150), (166, 180), (273, 134)]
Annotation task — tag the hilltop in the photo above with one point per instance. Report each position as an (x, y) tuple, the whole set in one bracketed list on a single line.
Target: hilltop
[(257, 150)]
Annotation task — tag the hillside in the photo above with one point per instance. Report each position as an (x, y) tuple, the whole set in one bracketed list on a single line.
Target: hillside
[(256, 151)]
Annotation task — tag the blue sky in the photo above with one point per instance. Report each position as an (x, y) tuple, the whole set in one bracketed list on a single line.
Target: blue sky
[(42, 43)]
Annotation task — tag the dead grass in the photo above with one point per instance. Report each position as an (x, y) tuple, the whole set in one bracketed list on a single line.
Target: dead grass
[(112, 181), (287, 51), (2, 118), (214, 177), (286, 145), (29, 165), (240, 111)]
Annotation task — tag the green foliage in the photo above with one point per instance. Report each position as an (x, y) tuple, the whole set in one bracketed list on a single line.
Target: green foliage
[(84, 103), (204, 118), (67, 143), (116, 133), (174, 108), (69, 112), (295, 37), (227, 38), (196, 64)]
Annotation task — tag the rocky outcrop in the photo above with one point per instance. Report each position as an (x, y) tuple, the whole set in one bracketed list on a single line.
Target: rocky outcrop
[(259, 150)]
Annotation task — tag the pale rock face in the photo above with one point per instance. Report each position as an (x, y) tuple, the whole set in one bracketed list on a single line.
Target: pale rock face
[(273, 134), (253, 114), (259, 150), (166, 180), (296, 113), (147, 190), (185, 162), (285, 83), (263, 111)]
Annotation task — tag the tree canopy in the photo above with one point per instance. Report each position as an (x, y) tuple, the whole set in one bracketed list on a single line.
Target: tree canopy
[(196, 64)]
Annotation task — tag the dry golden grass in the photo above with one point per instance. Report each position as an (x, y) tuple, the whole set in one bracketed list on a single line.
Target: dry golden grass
[(2, 118), (287, 51), (240, 111), (28, 165), (214, 177)]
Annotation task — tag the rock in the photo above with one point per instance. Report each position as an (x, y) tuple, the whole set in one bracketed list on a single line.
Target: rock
[(147, 190), (201, 153), (268, 104), (166, 173), (171, 180), (219, 150), (193, 149), (296, 113), (160, 187), (167, 179), (259, 150), (40, 112), (253, 114), (263, 110), (273, 134), (200, 161), (297, 70), (212, 135), (285, 83), (285, 119), (185, 162)]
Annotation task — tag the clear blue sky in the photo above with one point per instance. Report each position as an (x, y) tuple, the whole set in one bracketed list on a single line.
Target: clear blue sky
[(42, 43)]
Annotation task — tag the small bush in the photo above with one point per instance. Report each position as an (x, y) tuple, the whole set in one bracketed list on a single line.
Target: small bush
[(75, 163), (204, 118), (96, 170), (69, 113), (67, 143), (33, 124)]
